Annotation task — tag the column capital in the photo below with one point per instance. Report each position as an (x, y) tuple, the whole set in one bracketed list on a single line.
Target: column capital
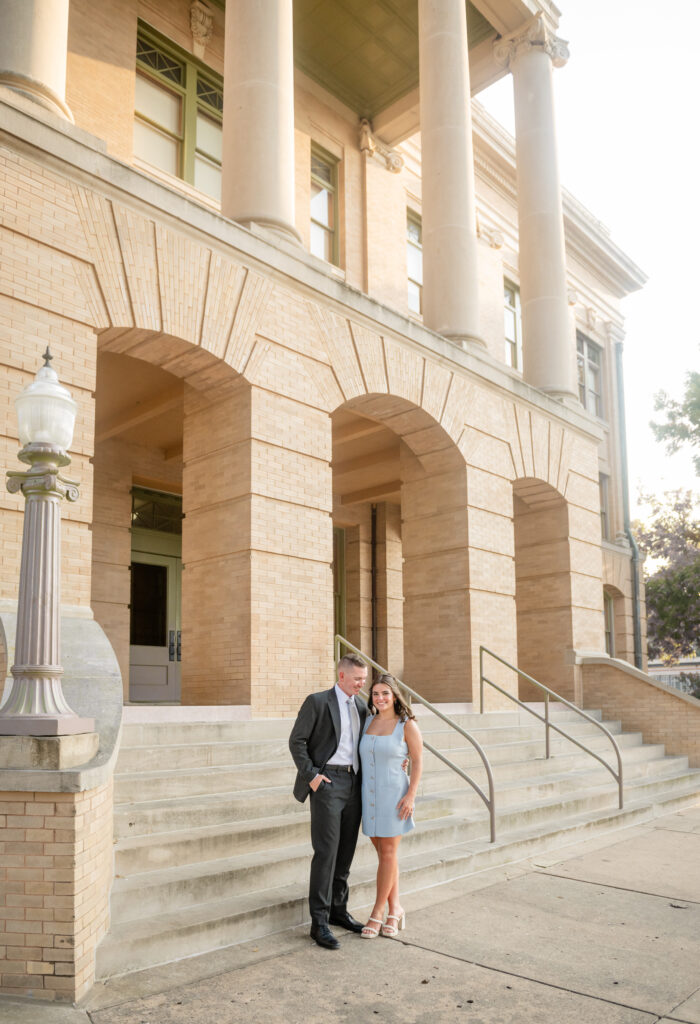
[(532, 37)]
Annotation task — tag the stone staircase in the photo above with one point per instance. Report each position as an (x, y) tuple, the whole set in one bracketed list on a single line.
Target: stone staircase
[(211, 848)]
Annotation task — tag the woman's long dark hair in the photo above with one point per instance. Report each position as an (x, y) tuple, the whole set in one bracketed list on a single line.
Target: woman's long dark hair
[(401, 708)]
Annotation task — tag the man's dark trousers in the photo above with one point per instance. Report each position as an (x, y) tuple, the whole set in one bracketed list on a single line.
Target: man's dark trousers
[(336, 812)]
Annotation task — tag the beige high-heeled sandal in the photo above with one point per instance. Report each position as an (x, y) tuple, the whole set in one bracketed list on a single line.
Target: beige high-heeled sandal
[(371, 933), (390, 930)]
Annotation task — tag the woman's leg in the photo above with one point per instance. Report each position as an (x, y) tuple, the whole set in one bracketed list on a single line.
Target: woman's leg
[(387, 871), (394, 898)]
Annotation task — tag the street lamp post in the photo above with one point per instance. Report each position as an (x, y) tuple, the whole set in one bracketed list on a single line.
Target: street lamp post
[(36, 705)]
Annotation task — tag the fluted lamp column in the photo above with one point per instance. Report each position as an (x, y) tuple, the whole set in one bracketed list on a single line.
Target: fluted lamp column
[(36, 705)]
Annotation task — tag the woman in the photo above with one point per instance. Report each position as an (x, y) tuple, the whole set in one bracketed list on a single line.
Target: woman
[(388, 797)]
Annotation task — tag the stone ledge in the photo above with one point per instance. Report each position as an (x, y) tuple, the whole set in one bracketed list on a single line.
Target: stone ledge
[(47, 752)]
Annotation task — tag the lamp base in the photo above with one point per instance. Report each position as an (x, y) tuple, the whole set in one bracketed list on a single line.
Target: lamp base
[(44, 725)]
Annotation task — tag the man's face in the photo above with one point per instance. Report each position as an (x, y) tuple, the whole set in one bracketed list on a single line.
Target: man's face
[(351, 681)]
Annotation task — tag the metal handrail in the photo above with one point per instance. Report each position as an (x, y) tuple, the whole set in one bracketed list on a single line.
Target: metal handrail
[(489, 800), (617, 775)]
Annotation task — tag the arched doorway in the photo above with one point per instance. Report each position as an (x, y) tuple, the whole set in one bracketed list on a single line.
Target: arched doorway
[(155, 397)]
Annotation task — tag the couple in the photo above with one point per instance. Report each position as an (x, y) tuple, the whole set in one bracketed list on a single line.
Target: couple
[(338, 742)]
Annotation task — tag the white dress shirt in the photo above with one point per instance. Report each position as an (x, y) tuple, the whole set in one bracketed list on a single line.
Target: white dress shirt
[(346, 752)]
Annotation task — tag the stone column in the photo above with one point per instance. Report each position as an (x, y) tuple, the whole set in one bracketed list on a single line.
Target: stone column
[(437, 631), (257, 550), (36, 705), (549, 360), (33, 48), (258, 161), (450, 273)]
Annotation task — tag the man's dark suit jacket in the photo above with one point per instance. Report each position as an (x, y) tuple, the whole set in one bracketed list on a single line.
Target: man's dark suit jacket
[(315, 736)]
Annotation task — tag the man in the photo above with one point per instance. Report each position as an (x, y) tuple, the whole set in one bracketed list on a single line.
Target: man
[(324, 744)]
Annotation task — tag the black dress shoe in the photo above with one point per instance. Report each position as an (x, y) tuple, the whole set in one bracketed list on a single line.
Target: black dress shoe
[(345, 920), (323, 936)]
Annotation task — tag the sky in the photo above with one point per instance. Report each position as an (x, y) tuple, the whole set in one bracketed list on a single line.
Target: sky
[(629, 150)]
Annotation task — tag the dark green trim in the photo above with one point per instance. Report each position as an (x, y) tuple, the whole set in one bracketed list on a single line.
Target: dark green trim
[(193, 70), (332, 162)]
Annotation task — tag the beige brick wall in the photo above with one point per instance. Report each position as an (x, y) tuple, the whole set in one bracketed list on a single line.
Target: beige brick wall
[(661, 714), (25, 330), (55, 874), (268, 518), (257, 551), (543, 597)]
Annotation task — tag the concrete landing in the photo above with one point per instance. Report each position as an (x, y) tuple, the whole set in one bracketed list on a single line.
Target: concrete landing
[(604, 932)]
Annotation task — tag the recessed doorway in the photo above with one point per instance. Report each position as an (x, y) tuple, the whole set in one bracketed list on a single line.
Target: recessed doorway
[(155, 641)]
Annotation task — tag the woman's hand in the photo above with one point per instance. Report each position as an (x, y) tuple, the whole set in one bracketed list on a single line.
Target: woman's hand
[(405, 806)]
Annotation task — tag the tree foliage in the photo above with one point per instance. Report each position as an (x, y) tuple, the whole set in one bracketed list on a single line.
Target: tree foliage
[(682, 423), (671, 540), (693, 681)]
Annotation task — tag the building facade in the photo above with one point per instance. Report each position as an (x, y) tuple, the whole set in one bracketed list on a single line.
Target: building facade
[(346, 358), (332, 373)]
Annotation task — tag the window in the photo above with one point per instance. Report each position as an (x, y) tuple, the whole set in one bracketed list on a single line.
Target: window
[(156, 510), (609, 612), (603, 484), (512, 325), (589, 359), (324, 206), (178, 110), (414, 262)]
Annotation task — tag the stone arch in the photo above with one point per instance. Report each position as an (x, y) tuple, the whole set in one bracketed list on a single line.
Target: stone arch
[(558, 582), (416, 476)]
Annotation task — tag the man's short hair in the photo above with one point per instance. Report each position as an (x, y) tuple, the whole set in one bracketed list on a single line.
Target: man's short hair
[(350, 661)]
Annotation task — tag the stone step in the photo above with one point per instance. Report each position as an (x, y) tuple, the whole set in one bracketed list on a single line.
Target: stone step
[(212, 754), (156, 891), (162, 783), (561, 798), (171, 814), (637, 762), (143, 734), (160, 938)]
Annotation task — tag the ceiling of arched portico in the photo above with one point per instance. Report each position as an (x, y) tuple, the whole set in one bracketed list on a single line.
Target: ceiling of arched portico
[(134, 398), (140, 387), (536, 494)]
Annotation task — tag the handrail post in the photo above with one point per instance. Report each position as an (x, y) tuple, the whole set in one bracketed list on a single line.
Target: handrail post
[(481, 680), (617, 775)]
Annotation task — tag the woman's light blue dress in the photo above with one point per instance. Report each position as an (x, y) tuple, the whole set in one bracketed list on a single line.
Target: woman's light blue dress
[(384, 782)]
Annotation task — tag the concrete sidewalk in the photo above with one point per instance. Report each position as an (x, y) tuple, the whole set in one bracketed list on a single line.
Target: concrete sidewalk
[(604, 932)]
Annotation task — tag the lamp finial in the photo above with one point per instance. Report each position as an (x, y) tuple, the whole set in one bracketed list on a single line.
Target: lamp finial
[(47, 357)]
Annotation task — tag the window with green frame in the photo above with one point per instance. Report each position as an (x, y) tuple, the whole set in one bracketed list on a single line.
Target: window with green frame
[(178, 111), (323, 235)]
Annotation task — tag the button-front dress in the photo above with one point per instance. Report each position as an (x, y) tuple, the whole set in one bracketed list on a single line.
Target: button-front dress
[(384, 782)]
